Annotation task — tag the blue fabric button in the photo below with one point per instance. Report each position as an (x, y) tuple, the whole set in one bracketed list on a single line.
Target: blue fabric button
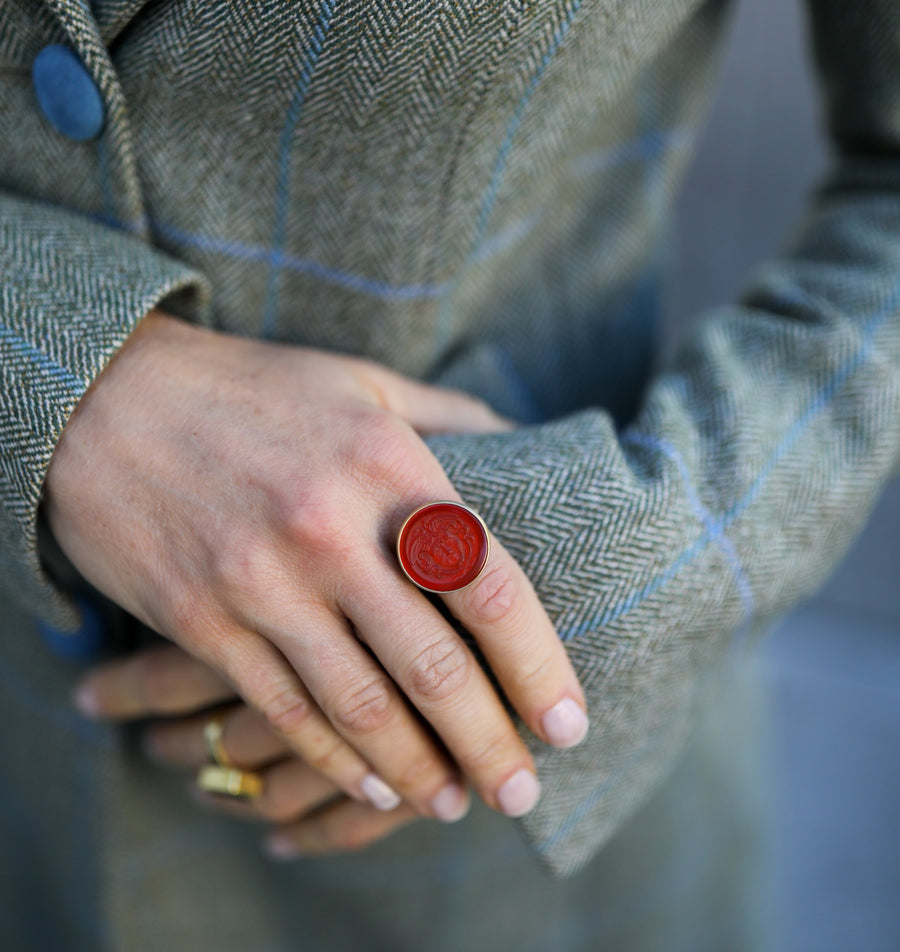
[(86, 643), (67, 94)]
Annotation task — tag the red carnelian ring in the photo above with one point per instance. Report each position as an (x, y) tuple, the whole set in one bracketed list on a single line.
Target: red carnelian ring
[(443, 546)]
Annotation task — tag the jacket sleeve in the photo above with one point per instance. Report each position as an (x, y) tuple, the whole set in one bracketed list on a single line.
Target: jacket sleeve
[(71, 291), (744, 478)]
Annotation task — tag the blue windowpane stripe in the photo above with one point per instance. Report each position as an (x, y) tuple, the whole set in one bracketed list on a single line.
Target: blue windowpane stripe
[(715, 532), (647, 147), (644, 149), (282, 191), (276, 259), (718, 525), (493, 189)]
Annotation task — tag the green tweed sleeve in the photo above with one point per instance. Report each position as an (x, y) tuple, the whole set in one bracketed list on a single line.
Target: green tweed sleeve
[(752, 465), (70, 293)]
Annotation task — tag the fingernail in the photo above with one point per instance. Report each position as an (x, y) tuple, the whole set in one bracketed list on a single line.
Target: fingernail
[(519, 794), (86, 701), (565, 724), (280, 848), (451, 804), (378, 793)]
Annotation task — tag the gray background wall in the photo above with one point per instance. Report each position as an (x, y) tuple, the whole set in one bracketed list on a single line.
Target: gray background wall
[(833, 667)]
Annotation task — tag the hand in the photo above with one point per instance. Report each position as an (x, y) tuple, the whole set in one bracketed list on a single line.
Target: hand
[(310, 812), (242, 499)]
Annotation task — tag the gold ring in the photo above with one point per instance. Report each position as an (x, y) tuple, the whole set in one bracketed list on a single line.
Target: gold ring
[(213, 731), (230, 782)]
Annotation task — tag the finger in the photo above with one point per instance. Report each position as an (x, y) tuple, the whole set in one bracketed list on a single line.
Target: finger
[(246, 740), (342, 827), (291, 789), (267, 682), (157, 681), (442, 678), (503, 613), (366, 708), (429, 409)]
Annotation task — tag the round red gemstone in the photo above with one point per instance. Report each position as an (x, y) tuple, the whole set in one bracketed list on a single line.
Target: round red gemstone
[(443, 546)]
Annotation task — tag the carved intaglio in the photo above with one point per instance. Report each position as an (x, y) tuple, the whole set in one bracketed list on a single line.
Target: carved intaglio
[(443, 546)]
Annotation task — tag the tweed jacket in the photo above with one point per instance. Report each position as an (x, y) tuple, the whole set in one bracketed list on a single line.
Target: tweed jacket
[(475, 193)]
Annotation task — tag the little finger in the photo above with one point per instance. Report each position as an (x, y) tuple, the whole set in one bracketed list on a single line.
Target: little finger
[(341, 827), (521, 646), (163, 680)]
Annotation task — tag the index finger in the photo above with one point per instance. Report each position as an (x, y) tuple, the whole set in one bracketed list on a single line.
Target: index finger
[(160, 680)]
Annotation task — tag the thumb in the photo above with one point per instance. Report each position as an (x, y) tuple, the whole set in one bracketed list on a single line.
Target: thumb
[(430, 410)]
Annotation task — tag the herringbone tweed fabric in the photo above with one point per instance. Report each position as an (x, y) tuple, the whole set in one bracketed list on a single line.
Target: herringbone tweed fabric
[(474, 193)]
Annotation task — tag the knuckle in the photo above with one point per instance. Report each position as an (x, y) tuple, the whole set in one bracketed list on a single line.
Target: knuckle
[(383, 455), (440, 670), (422, 773), (286, 711), (325, 760), (540, 671), (315, 521), (490, 754), (187, 612), (495, 598), (181, 614), (244, 568), (366, 710)]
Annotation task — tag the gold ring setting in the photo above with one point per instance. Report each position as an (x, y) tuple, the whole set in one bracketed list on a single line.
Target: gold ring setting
[(222, 778), (213, 734), (230, 782)]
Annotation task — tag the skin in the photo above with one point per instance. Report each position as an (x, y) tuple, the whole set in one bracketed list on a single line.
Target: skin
[(310, 815), (242, 498)]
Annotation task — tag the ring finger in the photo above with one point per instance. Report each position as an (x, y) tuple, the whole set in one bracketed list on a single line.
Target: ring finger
[(246, 739), (290, 789)]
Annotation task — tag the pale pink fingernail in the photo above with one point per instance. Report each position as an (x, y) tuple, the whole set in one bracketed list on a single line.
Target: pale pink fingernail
[(378, 793), (519, 794), (280, 848), (565, 724), (451, 804), (86, 701)]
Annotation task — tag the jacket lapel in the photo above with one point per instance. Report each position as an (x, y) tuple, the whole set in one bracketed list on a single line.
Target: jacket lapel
[(113, 16)]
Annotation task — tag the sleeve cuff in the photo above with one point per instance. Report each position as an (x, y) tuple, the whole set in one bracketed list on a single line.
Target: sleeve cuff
[(71, 291)]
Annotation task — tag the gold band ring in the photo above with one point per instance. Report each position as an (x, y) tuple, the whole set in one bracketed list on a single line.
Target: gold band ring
[(213, 731), (230, 782)]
